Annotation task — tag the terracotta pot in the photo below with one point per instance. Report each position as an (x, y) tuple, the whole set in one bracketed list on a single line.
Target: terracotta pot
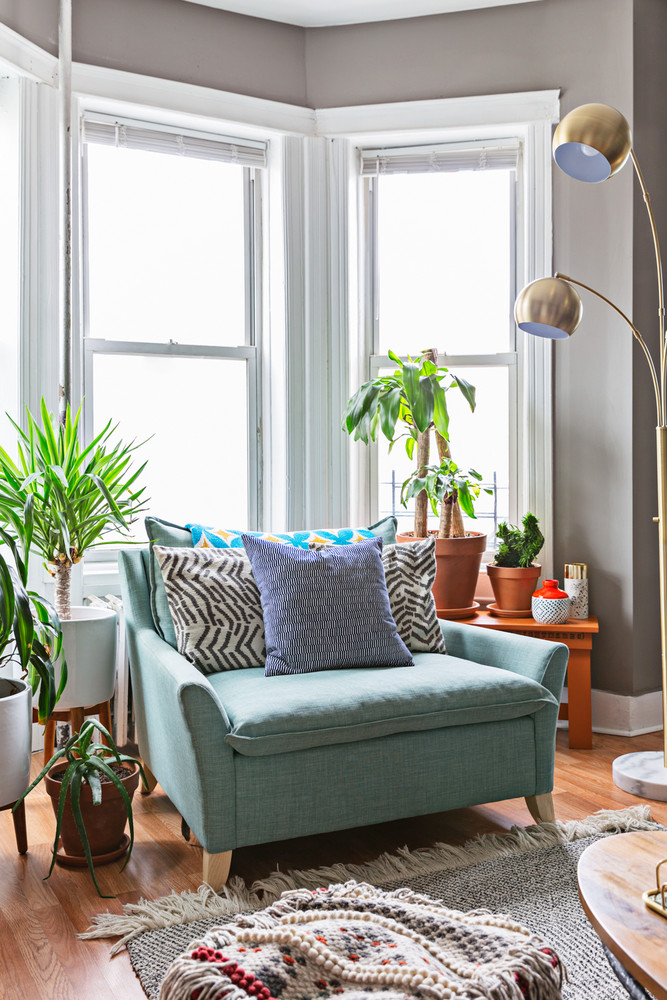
[(513, 586), (458, 561), (105, 823)]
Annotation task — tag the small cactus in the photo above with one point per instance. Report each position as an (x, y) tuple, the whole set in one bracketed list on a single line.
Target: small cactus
[(517, 547)]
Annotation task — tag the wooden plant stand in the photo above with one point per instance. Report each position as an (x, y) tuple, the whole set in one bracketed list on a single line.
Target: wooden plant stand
[(19, 826), (75, 717)]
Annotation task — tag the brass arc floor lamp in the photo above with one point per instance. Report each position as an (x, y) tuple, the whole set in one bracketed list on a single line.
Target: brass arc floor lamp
[(592, 143)]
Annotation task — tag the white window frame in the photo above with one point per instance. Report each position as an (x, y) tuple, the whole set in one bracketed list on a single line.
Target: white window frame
[(250, 351), (508, 360), (528, 119)]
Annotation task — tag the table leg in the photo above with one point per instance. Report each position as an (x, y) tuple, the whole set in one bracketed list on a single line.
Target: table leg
[(580, 734)]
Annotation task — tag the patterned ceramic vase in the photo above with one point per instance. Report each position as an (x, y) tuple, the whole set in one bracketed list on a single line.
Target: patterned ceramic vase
[(550, 605)]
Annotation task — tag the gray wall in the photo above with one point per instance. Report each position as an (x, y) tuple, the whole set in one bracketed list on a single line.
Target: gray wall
[(586, 50), (181, 41), (650, 143)]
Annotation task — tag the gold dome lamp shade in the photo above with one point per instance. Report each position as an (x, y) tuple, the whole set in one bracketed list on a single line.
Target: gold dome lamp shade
[(550, 308), (592, 142)]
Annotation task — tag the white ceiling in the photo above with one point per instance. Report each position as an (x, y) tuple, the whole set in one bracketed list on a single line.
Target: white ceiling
[(321, 13)]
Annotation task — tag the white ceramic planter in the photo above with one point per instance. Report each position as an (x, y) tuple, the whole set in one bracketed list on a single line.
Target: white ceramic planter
[(89, 640), (15, 738)]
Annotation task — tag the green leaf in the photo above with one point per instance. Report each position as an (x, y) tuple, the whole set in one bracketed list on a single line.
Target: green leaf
[(440, 411), (410, 447), (467, 389), (390, 404), (78, 819), (395, 358), (465, 500)]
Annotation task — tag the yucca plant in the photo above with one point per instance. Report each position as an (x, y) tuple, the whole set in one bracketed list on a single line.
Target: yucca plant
[(408, 404), (86, 762), (75, 494), (30, 633)]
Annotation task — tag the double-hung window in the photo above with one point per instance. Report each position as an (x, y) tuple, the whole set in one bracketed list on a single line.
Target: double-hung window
[(440, 272), (171, 297)]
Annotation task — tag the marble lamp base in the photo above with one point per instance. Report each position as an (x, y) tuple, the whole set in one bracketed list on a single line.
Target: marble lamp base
[(642, 773)]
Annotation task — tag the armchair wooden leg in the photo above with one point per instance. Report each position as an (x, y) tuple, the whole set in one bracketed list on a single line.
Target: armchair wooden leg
[(150, 778), (216, 868), (541, 808)]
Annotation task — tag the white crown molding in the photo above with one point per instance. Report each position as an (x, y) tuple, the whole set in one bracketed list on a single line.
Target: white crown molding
[(448, 112), (102, 85), (18, 53)]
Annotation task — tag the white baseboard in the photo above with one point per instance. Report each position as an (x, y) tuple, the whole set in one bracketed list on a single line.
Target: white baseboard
[(624, 715)]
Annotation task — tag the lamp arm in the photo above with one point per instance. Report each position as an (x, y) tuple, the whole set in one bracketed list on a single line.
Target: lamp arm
[(637, 335), (658, 267)]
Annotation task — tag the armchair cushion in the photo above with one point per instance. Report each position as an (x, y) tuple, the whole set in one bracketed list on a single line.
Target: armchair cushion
[(296, 712)]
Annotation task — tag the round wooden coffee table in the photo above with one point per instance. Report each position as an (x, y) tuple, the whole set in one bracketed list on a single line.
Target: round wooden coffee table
[(613, 873)]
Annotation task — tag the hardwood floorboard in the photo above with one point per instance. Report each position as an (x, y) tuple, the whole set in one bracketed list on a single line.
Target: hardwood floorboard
[(41, 957)]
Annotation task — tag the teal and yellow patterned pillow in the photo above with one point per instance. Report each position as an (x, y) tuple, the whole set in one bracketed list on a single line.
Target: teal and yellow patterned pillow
[(225, 538)]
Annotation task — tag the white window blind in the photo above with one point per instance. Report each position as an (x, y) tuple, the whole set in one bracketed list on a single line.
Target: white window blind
[(440, 158), (128, 134)]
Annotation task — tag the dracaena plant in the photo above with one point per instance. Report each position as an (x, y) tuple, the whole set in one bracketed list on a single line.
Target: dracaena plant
[(30, 633), (86, 762), (78, 494), (408, 404), (449, 490)]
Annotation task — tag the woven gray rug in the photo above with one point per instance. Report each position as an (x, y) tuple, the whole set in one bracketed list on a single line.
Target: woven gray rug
[(530, 875)]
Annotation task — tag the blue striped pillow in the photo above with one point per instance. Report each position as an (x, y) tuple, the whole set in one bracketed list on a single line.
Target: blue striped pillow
[(325, 610)]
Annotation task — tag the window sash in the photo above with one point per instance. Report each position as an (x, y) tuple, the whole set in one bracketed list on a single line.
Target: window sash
[(376, 361), (129, 134)]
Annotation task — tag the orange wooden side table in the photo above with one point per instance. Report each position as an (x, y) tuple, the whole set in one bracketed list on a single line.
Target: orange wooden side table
[(577, 634)]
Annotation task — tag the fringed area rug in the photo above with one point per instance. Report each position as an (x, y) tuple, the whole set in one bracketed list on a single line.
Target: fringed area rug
[(529, 875)]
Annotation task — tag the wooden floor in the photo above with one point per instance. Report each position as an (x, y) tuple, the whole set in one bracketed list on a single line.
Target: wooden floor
[(41, 957)]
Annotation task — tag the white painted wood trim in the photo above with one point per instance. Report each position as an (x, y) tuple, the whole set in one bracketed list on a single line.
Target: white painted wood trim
[(624, 715), (99, 86), (454, 112), (19, 54), (38, 227), (536, 434)]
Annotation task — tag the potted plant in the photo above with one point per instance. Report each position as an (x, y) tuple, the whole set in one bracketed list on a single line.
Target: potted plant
[(411, 403), (513, 574), (76, 495), (30, 638), (91, 793)]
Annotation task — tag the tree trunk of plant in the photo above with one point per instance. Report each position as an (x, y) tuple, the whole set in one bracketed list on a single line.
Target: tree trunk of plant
[(447, 526), (423, 453), (63, 594), (421, 500)]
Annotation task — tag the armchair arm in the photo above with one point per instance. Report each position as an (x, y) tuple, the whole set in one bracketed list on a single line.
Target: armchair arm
[(542, 661), (181, 723)]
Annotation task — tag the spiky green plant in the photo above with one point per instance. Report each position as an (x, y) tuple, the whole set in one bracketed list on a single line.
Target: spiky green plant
[(77, 494), (86, 761), (30, 633), (517, 547)]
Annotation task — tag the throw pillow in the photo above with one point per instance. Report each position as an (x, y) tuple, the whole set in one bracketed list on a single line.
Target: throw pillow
[(215, 607), (166, 533), (230, 538), (409, 571), (325, 610)]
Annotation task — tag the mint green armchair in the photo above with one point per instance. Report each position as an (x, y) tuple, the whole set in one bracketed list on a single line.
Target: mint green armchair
[(248, 759)]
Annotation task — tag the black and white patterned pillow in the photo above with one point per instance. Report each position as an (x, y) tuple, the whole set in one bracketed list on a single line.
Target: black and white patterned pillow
[(409, 570), (215, 606)]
